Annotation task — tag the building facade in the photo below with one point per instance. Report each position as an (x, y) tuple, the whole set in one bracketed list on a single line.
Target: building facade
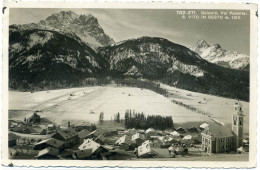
[(219, 139)]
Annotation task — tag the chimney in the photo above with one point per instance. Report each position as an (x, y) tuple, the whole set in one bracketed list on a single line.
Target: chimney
[(68, 124)]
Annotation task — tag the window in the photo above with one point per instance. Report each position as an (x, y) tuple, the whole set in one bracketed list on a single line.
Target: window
[(223, 147), (240, 122)]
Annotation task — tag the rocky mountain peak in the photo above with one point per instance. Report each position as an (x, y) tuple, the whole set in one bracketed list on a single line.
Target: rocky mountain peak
[(216, 46), (202, 44), (215, 54)]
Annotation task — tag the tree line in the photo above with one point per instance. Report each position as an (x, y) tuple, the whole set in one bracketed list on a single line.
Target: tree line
[(140, 121)]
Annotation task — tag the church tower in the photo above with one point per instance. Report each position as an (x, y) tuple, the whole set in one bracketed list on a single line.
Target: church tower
[(237, 124)]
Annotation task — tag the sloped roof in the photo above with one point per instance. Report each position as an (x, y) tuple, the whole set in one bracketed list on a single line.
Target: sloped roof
[(126, 139), (52, 142), (84, 133), (138, 136), (187, 137), (89, 144), (150, 130), (67, 133), (35, 129), (204, 125), (84, 153), (218, 131), (175, 133), (51, 151)]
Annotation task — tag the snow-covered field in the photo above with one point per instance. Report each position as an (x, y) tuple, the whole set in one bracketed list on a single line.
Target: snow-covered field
[(219, 108), (75, 104), (60, 107)]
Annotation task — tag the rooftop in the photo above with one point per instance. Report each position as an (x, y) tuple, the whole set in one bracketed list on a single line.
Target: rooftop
[(53, 142), (218, 131)]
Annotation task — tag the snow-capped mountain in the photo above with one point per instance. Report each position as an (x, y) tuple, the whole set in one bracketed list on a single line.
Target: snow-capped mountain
[(67, 22), (215, 54)]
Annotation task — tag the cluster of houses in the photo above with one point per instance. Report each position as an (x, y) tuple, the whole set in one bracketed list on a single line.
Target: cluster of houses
[(113, 144), (82, 142)]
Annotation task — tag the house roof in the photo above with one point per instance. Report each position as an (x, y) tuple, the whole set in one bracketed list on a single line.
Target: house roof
[(67, 133), (187, 137), (89, 144), (35, 129), (175, 133), (138, 136), (150, 130), (218, 131), (84, 133), (52, 142), (124, 140), (204, 125), (51, 151), (84, 153)]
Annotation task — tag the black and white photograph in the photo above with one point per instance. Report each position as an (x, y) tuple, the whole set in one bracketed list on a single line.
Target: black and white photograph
[(131, 84)]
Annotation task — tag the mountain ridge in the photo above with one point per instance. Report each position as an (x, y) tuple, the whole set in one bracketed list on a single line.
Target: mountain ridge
[(215, 54)]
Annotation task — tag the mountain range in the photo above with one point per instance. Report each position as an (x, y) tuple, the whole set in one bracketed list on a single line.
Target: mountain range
[(67, 48), (215, 54)]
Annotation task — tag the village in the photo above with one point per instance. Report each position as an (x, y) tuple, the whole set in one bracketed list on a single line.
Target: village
[(37, 138)]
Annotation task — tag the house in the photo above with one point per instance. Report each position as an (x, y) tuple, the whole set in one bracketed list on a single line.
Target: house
[(48, 153), (150, 132), (51, 142), (82, 126), (12, 138), (68, 136), (138, 138), (83, 135), (21, 129), (188, 140), (124, 142), (120, 131), (82, 154), (89, 148), (217, 139), (203, 126), (180, 130), (193, 129), (145, 149), (37, 130), (130, 132), (35, 118), (100, 139), (94, 134), (175, 133)]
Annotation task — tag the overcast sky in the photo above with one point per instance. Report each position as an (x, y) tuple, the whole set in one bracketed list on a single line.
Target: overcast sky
[(122, 24)]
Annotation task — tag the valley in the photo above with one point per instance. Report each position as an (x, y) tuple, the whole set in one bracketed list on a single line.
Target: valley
[(75, 104)]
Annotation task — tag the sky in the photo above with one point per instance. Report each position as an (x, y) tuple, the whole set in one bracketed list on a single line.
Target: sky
[(122, 24)]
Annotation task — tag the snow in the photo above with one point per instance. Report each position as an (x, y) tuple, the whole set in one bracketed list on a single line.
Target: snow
[(218, 109), (57, 106), (215, 54)]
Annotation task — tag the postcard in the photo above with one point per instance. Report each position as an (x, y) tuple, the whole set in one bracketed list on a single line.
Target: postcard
[(94, 84)]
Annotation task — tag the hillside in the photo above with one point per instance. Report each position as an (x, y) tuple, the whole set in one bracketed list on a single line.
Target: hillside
[(215, 54), (159, 59), (42, 57)]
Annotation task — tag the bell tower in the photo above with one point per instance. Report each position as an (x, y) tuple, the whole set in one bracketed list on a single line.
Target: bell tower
[(237, 124)]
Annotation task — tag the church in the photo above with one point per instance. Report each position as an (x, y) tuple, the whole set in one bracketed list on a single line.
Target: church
[(219, 139)]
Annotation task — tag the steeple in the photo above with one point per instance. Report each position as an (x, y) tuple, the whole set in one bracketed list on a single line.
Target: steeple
[(237, 124)]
